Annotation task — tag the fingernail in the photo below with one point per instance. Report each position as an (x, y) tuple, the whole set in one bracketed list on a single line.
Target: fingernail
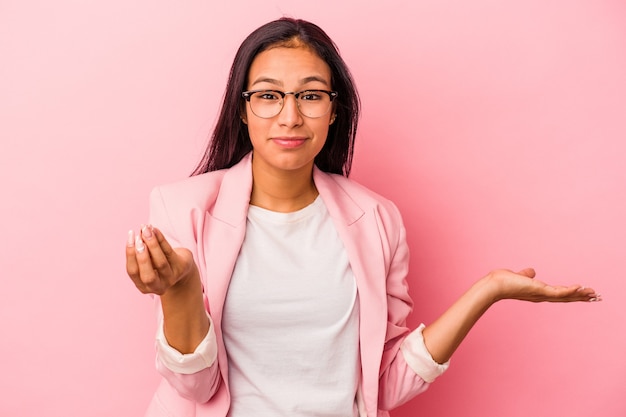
[(130, 242), (147, 232), (139, 246)]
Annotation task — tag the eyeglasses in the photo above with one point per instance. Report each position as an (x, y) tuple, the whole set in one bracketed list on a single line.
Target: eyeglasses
[(269, 103)]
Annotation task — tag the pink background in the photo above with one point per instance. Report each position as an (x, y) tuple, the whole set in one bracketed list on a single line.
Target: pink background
[(499, 128)]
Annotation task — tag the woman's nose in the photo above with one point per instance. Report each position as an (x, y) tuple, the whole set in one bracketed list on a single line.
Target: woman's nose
[(290, 113)]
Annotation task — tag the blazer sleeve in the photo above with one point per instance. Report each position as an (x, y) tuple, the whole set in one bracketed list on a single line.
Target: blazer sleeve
[(196, 375), (407, 368)]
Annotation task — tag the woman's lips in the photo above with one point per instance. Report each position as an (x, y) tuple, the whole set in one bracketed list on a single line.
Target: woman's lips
[(292, 142)]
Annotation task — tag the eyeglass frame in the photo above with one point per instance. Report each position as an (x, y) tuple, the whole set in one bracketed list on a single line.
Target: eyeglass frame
[(247, 95)]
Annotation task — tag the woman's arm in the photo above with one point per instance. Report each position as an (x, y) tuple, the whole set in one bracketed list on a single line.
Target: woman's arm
[(445, 334), (186, 349)]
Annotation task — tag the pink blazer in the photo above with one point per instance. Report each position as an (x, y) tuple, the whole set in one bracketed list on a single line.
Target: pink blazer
[(207, 215)]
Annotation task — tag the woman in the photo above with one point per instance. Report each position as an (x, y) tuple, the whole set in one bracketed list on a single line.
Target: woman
[(281, 285)]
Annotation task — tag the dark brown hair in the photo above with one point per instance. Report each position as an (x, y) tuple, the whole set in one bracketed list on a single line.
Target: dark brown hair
[(230, 141)]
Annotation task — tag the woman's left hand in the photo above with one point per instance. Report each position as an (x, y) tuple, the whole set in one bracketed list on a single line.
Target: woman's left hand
[(523, 286)]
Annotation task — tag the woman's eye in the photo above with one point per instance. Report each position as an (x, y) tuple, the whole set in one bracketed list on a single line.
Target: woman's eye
[(310, 96), (268, 96)]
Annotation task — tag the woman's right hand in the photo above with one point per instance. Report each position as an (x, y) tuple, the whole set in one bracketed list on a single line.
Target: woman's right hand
[(153, 265)]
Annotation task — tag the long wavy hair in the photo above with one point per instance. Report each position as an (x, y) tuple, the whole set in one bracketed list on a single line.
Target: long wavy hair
[(230, 140)]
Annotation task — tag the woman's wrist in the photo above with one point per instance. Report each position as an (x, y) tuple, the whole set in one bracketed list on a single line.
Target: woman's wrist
[(185, 321), (490, 288), (185, 290)]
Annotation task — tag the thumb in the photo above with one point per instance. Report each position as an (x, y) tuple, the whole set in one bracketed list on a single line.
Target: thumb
[(528, 272)]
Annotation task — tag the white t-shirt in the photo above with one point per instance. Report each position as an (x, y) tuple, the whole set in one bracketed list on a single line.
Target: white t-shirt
[(291, 318)]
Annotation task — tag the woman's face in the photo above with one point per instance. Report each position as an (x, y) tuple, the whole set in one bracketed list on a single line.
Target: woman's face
[(289, 141)]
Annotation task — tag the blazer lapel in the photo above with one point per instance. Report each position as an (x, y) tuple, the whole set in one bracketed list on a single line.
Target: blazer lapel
[(225, 228), (359, 232)]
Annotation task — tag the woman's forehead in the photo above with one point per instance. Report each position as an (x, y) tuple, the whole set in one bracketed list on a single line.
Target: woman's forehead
[(281, 64)]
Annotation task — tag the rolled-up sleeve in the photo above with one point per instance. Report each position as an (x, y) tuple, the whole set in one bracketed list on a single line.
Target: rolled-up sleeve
[(203, 356), (419, 358)]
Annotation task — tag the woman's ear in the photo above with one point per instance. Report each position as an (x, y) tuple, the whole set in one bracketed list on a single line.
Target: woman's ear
[(242, 113), (332, 118)]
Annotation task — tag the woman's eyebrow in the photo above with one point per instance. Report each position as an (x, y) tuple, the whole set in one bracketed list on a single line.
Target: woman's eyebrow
[(267, 80), (314, 78), (303, 81)]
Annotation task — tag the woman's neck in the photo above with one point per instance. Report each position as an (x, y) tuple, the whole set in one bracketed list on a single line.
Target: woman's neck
[(283, 191)]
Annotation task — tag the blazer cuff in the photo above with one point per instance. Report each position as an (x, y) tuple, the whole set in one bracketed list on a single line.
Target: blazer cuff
[(419, 358), (189, 363)]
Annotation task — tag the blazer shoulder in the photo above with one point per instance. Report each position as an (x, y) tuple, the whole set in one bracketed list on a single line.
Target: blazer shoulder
[(176, 208), (199, 191)]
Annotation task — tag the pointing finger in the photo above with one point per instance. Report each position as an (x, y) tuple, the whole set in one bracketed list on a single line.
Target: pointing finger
[(165, 246), (159, 259)]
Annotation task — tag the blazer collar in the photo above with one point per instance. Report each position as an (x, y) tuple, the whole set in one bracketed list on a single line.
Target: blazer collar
[(233, 200), (338, 202), (232, 204)]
